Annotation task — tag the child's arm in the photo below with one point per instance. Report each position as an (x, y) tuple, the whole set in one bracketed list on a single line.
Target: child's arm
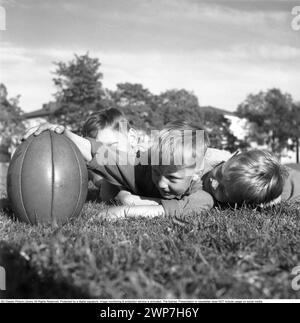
[(96, 179), (83, 144), (126, 198), (291, 188), (194, 203), (108, 191), (124, 212)]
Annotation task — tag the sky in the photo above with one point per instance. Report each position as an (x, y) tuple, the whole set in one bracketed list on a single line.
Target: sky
[(219, 50)]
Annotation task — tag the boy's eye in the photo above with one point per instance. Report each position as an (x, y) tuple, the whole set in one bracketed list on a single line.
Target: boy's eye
[(173, 179)]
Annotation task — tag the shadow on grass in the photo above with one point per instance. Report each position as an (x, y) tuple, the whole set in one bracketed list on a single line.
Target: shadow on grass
[(6, 208), (93, 195), (4, 203), (24, 282)]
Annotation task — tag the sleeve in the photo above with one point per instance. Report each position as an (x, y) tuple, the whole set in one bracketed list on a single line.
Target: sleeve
[(195, 203), (113, 167), (291, 190), (108, 192)]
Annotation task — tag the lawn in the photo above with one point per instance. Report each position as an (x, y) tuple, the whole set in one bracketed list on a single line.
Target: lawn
[(223, 254)]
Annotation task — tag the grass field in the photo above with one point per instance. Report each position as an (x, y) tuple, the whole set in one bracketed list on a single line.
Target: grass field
[(223, 254)]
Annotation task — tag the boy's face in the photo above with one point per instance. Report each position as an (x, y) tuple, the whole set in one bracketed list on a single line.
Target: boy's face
[(172, 182), (115, 138), (214, 184)]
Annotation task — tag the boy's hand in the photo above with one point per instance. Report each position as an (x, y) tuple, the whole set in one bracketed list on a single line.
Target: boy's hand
[(82, 144), (45, 126), (123, 212), (128, 199)]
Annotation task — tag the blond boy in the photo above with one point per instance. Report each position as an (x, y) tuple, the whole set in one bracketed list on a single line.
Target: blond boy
[(253, 178)]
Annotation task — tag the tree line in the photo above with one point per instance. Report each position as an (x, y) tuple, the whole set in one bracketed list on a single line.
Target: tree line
[(273, 117)]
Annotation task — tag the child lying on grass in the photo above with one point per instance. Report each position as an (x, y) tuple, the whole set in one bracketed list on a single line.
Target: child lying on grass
[(109, 126), (168, 189), (253, 178), (157, 188)]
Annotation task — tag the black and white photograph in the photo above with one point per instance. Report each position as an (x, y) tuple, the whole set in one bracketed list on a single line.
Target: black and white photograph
[(150, 152)]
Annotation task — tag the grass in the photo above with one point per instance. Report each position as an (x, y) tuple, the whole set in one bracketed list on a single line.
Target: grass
[(224, 254)]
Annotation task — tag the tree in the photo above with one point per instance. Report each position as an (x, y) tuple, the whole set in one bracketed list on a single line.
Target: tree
[(138, 104), (218, 128), (79, 90), (11, 120), (269, 114), (295, 129), (181, 104), (176, 104)]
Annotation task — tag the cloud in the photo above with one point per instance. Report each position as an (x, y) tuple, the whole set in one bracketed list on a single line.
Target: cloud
[(260, 53), (10, 3), (13, 55), (218, 12), (139, 25), (218, 78), (221, 50), (186, 25), (167, 11), (22, 74)]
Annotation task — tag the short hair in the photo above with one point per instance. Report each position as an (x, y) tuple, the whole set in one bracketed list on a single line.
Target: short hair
[(108, 118), (254, 178), (182, 144)]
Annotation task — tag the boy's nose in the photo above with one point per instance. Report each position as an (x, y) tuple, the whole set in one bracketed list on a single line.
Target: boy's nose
[(163, 183)]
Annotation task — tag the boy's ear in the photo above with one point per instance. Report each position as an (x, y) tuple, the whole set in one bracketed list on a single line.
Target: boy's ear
[(133, 137)]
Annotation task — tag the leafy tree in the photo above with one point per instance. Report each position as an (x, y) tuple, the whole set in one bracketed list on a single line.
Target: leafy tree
[(184, 105), (11, 125), (295, 129), (138, 104), (79, 90), (177, 104), (218, 128), (269, 114)]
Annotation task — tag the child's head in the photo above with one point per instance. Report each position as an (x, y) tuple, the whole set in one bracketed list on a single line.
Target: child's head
[(179, 155), (111, 127), (254, 178)]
